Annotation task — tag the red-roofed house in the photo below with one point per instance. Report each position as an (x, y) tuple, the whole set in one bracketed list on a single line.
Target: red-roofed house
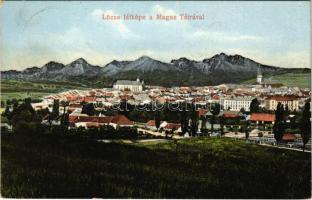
[(89, 99), (230, 115), (173, 126), (120, 120), (151, 124), (88, 121), (262, 118), (288, 137)]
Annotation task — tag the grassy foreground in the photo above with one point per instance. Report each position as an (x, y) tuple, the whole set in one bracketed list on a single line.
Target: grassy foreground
[(59, 167)]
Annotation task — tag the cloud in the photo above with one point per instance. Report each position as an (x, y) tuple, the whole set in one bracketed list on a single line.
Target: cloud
[(164, 11), (220, 36)]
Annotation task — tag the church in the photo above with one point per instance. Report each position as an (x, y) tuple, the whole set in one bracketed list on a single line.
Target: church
[(266, 82), (134, 86)]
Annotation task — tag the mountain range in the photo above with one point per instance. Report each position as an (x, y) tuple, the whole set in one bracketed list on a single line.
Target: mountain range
[(220, 68)]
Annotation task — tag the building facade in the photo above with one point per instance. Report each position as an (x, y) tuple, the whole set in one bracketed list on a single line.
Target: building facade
[(290, 101), (134, 86), (236, 103)]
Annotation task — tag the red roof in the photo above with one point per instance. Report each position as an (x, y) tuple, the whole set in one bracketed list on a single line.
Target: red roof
[(118, 119), (282, 98), (215, 97), (92, 125), (89, 99), (230, 115), (105, 120), (262, 117), (289, 137), (71, 98), (121, 120), (151, 123), (172, 126), (109, 94)]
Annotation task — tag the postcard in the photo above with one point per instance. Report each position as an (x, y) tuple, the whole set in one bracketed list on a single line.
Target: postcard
[(155, 99)]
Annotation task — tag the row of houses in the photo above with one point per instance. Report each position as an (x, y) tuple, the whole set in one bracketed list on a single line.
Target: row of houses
[(87, 122)]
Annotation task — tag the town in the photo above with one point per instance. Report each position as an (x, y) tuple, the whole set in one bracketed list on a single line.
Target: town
[(245, 111)]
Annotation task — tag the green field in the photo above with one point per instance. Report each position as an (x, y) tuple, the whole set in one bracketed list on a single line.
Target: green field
[(302, 80), (50, 166), (22, 89)]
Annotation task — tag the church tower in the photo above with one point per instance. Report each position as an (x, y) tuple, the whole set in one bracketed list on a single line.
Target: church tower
[(259, 75)]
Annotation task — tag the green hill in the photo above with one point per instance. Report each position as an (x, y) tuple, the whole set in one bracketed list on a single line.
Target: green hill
[(21, 89), (302, 80)]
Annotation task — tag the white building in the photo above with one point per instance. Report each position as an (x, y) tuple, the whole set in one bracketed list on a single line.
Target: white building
[(236, 103), (259, 76), (291, 101), (135, 86)]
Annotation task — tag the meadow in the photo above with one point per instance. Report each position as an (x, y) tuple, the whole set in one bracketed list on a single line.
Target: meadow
[(51, 166), (20, 89), (302, 80)]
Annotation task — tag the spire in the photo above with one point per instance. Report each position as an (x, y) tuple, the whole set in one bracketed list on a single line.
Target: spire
[(259, 70), (259, 75)]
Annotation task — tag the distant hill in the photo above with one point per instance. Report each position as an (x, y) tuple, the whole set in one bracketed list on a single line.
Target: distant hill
[(218, 69)]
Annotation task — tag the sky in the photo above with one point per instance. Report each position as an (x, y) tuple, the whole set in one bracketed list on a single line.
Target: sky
[(34, 33)]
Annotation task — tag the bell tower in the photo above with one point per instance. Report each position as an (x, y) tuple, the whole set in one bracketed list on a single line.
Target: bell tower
[(259, 75)]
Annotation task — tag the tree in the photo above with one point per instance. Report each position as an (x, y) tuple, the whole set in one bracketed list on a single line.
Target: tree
[(8, 102), (55, 109), (305, 125), (246, 129), (183, 121), (242, 110), (64, 104), (287, 110), (203, 123), (7, 112), (88, 109), (254, 106), (222, 120), (194, 121), (157, 119), (215, 110), (2, 104), (279, 125), (24, 119)]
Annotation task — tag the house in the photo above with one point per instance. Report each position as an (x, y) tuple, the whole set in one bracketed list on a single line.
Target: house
[(120, 120), (176, 127), (41, 106), (86, 121), (135, 86), (291, 101), (288, 137), (232, 114), (236, 103), (262, 118), (151, 124)]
